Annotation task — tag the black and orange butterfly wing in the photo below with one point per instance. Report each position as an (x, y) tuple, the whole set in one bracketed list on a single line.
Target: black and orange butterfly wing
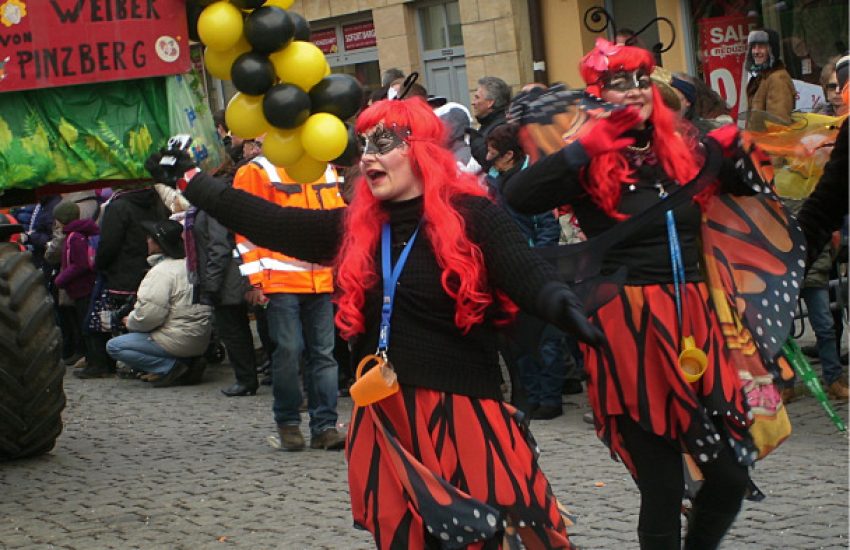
[(754, 253)]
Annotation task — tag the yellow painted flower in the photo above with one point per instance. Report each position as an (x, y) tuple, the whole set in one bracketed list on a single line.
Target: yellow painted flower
[(12, 12)]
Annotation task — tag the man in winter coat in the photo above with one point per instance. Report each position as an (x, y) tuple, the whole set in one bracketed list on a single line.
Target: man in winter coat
[(122, 256), (769, 87), (224, 288), (167, 330), (489, 103), (299, 310)]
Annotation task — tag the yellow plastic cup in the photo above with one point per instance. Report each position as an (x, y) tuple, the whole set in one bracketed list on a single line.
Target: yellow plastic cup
[(379, 382), (692, 360)]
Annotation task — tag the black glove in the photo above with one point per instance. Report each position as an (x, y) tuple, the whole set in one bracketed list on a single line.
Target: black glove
[(153, 167), (169, 172), (561, 307)]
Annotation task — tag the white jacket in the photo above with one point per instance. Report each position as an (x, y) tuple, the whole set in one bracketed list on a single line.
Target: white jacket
[(164, 309)]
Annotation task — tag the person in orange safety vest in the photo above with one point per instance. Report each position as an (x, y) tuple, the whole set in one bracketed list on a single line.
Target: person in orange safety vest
[(299, 309)]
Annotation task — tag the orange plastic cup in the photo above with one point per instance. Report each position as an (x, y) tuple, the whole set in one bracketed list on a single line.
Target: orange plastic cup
[(379, 382), (692, 360)]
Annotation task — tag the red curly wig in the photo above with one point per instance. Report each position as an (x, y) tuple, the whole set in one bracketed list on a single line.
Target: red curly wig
[(464, 276), (607, 173)]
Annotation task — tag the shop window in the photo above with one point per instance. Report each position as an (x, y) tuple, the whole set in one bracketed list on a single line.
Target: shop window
[(440, 26), (812, 33), (453, 24), (350, 46)]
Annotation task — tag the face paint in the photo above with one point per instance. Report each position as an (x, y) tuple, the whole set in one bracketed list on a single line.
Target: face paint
[(623, 81), (382, 140)]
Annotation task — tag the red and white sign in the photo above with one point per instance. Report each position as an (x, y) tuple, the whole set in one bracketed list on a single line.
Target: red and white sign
[(359, 35), (723, 44), (63, 42), (326, 40)]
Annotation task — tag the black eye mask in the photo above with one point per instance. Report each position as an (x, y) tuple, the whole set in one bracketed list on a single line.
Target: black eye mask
[(382, 140), (623, 81)]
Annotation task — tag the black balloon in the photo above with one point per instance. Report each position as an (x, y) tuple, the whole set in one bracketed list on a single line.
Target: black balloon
[(351, 155), (337, 94), (252, 73), (193, 12), (268, 29), (302, 27), (247, 4), (286, 106)]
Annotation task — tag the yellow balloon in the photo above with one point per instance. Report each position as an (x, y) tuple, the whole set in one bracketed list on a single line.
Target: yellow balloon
[(300, 63), (220, 26), (283, 147), (283, 4), (324, 136), (219, 63), (244, 116), (306, 169)]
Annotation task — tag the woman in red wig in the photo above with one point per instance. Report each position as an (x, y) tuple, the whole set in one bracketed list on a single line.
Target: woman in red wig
[(444, 461), (644, 408)]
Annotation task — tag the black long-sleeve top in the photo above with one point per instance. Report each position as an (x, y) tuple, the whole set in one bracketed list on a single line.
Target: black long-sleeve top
[(555, 181), (826, 207), (426, 347)]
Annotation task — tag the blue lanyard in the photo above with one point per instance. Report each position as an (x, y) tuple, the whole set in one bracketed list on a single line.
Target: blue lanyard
[(390, 275), (678, 264)]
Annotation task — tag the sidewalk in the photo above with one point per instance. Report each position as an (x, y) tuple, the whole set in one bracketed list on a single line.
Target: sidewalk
[(186, 468)]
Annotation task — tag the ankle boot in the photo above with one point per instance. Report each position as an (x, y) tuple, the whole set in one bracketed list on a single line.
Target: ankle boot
[(666, 541), (707, 528)]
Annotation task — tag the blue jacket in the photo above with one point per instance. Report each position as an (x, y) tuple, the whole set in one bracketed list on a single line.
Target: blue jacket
[(540, 229)]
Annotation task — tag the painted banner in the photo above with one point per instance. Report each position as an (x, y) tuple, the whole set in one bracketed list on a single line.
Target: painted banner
[(77, 134), (95, 132), (359, 35), (325, 40), (50, 43), (723, 45)]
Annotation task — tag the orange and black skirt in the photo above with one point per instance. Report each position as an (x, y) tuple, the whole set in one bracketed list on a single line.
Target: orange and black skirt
[(428, 469), (637, 375)]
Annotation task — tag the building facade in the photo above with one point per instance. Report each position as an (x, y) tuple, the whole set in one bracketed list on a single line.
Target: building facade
[(452, 43)]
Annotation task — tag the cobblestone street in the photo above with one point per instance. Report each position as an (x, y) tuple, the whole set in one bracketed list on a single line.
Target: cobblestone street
[(188, 468)]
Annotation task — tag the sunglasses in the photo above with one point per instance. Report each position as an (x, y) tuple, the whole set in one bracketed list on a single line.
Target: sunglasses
[(625, 81), (832, 86), (382, 140)]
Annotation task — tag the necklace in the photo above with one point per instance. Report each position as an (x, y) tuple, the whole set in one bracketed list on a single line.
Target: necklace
[(643, 149)]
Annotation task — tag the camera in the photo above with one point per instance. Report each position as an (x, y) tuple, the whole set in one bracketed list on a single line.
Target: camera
[(176, 144)]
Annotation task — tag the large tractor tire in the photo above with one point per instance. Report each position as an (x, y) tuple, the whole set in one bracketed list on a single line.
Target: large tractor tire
[(31, 373)]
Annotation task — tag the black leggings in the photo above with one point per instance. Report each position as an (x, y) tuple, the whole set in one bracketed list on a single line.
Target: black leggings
[(660, 479)]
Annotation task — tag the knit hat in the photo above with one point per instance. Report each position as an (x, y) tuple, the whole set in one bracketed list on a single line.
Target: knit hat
[(66, 212), (686, 88)]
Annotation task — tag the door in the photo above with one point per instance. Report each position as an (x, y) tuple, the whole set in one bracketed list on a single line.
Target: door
[(441, 41)]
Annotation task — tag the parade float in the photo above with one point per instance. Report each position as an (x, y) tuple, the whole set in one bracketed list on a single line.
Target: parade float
[(88, 90)]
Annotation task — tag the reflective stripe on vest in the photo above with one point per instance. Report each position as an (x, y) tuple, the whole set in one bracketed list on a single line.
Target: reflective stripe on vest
[(273, 264), (289, 188)]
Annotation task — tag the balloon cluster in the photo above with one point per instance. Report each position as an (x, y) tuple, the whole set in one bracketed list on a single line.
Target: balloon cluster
[(286, 89)]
